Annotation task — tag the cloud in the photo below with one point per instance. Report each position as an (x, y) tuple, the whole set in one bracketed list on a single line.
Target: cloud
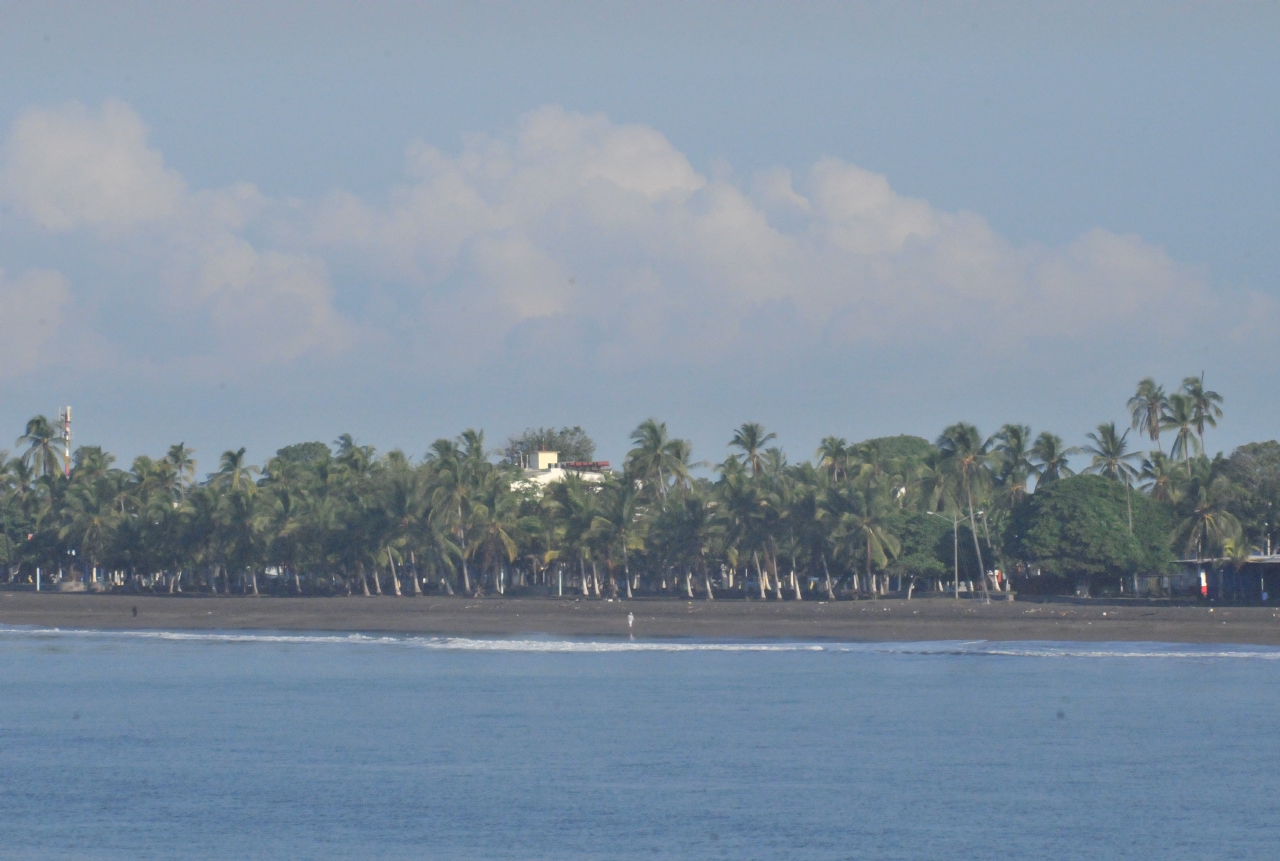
[(572, 224), (69, 168), (33, 308), (573, 239)]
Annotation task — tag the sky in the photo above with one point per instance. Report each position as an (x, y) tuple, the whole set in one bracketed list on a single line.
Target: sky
[(257, 224)]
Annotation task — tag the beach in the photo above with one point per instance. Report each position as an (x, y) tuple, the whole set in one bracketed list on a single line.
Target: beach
[(849, 621)]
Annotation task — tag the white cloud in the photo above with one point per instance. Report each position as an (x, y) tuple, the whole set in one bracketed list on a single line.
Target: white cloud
[(68, 168), (575, 236), (33, 308), (575, 218)]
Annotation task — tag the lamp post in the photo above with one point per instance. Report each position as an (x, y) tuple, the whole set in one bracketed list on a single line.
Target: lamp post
[(955, 551)]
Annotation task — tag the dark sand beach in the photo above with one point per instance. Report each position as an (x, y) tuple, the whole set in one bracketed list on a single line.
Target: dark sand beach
[(851, 621)]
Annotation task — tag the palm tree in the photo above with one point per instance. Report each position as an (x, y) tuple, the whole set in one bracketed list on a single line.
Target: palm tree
[(1209, 524), (451, 494), (968, 456), (618, 525), (657, 459), (1160, 481), (1204, 405), (1111, 458), (42, 454), (864, 522), (833, 456), (180, 458), (1181, 419), (1147, 407), (234, 472), (1013, 460), (1050, 458), (750, 438), (90, 522)]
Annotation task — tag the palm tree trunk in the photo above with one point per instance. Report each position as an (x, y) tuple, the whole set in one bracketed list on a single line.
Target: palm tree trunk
[(1128, 501), (795, 585), (831, 595), (760, 576), (395, 581), (706, 580), (364, 581), (586, 583), (626, 571), (297, 581), (466, 577), (871, 580), (417, 584), (772, 560), (688, 582), (253, 580)]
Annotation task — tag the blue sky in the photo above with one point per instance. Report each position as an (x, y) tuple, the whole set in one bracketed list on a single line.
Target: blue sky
[(241, 226)]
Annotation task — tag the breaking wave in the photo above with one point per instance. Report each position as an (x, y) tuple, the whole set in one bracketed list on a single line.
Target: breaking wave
[(954, 648)]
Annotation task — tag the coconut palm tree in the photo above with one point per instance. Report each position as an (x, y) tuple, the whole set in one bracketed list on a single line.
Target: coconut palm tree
[(618, 525), (42, 454), (1160, 478), (750, 438), (1013, 467), (1049, 458), (833, 456), (1147, 407), (1112, 459), (1180, 418), (234, 472), (966, 454), (1210, 524), (1205, 409), (864, 523), (184, 464), (657, 459)]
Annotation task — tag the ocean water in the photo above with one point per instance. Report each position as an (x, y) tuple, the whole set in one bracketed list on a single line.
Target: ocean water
[(262, 746)]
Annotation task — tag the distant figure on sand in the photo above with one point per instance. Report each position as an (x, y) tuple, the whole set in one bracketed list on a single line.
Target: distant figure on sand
[(135, 612), (631, 620)]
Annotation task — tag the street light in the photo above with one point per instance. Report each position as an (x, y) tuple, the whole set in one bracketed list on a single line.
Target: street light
[(955, 551)]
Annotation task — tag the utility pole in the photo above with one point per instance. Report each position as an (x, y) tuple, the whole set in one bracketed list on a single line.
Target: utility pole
[(66, 442)]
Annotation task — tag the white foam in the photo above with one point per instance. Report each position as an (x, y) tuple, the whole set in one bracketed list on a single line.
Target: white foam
[(957, 648)]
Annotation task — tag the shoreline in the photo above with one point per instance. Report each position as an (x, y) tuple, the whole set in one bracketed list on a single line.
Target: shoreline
[(890, 620)]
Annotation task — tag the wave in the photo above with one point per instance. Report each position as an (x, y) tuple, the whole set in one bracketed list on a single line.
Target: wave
[(953, 648)]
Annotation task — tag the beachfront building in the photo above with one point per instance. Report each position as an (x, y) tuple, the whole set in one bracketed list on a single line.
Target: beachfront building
[(1253, 580), (545, 468)]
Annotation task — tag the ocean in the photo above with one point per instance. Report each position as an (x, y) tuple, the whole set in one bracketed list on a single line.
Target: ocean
[(145, 745)]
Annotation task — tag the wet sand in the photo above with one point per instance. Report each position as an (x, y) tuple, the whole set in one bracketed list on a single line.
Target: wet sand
[(849, 621)]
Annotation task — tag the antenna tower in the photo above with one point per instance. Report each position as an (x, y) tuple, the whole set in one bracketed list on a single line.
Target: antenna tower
[(66, 442)]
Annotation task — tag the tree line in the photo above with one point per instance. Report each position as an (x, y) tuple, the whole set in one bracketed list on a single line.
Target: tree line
[(857, 520)]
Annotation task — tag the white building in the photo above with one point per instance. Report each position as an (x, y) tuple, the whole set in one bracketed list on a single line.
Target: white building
[(545, 468)]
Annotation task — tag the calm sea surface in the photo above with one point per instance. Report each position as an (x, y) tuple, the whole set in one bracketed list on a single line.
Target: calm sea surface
[(140, 746)]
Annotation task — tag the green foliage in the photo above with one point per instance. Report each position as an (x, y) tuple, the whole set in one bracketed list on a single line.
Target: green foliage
[(305, 454), (572, 443), (902, 446), (1078, 526), (926, 545), (1254, 472)]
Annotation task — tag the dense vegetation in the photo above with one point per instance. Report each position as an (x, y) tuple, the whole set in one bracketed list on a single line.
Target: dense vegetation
[(896, 513)]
